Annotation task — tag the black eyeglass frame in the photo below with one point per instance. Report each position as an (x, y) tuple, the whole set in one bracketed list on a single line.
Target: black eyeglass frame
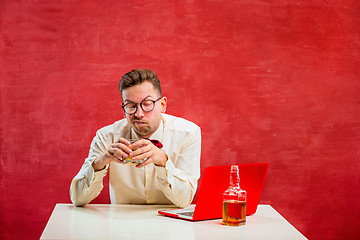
[(123, 105)]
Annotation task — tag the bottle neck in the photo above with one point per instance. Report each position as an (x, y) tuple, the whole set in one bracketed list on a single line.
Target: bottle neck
[(234, 179)]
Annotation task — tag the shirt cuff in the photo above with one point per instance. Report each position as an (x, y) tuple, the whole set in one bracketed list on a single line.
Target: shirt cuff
[(163, 172), (98, 176)]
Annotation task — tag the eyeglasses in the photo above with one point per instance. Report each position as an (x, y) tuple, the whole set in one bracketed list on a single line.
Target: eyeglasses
[(146, 105)]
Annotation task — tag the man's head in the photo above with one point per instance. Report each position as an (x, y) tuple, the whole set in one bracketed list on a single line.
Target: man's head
[(138, 76), (142, 101)]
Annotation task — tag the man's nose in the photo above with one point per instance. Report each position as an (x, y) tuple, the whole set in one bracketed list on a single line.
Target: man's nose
[(139, 113)]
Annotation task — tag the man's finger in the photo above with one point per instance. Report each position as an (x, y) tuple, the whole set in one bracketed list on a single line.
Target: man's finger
[(117, 153), (121, 147)]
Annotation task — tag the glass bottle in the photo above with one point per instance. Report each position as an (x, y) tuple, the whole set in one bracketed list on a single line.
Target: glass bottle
[(234, 201)]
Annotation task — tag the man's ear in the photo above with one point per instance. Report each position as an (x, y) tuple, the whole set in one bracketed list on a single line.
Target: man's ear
[(163, 103)]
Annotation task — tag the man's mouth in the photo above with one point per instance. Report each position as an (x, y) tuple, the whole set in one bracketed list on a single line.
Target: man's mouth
[(139, 122)]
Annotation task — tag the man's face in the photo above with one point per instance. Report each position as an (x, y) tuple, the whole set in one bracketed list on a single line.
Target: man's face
[(144, 123)]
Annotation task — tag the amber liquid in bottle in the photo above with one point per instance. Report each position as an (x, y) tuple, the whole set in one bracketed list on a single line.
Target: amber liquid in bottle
[(234, 201), (234, 213)]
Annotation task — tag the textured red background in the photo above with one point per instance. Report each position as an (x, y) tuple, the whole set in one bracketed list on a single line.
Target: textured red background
[(267, 81)]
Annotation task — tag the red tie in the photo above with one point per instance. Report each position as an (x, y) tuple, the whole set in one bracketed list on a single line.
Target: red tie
[(157, 143)]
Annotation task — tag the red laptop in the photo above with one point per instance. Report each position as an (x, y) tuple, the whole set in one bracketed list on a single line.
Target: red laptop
[(214, 182)]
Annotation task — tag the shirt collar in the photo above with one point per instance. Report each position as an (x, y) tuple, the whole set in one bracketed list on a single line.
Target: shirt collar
[(158, 134)]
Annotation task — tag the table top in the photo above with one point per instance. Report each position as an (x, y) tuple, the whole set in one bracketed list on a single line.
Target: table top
[(111, 221)]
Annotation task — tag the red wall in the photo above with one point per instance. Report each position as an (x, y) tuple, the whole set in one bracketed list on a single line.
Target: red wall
[(268, 81)]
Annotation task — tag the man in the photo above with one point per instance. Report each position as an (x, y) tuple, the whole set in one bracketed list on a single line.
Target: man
[(167, 175)]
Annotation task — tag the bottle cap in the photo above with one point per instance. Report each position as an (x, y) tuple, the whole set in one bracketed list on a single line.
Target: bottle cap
[(234, 167)]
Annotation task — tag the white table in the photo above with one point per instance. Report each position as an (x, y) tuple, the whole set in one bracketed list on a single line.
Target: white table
[(106, 221)]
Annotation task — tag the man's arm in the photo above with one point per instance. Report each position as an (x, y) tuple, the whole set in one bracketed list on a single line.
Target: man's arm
[(88, 183), (178, 179)]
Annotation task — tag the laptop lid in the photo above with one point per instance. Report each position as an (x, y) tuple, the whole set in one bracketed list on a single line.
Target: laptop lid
[(215, 181)]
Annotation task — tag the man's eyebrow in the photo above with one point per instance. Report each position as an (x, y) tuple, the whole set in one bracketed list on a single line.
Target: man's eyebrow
[(127, 100)]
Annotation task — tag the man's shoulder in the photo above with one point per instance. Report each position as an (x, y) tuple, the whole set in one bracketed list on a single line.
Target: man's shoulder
[(178, 123), (115, 127)]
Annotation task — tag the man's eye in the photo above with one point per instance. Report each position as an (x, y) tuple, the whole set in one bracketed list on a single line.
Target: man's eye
[(147, 103)]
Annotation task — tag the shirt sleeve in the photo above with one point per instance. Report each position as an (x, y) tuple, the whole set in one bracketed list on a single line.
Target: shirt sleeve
[(179, 181), (87, 184)]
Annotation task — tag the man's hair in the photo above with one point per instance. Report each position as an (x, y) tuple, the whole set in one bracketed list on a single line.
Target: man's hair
[(138, 76)]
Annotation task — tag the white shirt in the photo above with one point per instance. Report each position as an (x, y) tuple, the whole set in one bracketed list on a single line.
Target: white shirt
[(176, 183)]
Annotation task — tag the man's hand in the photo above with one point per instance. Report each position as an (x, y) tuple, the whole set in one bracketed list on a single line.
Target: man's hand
[(147, 150), (116, 152)]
